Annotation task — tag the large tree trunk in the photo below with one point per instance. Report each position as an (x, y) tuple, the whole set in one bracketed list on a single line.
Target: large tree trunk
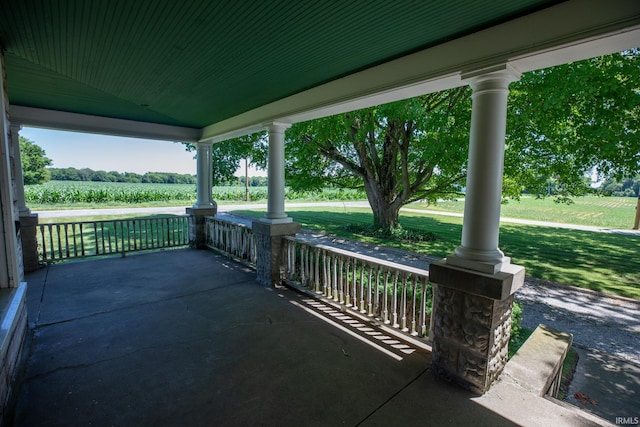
[(385, 214), (385, 217)]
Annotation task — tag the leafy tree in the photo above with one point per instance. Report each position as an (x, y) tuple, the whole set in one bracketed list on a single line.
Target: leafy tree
[(64, 174), (131, 177), (568, 120), (114, 176), (100, 176), (85, 174), (227, 155), (34, 162), (258, 181), (399, 152), (626, 187)]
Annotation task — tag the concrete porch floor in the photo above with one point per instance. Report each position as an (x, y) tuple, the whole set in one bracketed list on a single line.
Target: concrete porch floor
[(187, 338)]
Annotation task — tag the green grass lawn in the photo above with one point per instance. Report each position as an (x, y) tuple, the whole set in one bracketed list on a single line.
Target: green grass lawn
[(608, 212), (604, 262)]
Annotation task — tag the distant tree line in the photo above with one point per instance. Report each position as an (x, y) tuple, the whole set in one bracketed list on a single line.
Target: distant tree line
[(86, 174), (627, 187)]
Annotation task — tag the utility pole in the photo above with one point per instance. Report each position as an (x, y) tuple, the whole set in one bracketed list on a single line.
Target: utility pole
[(246, 180), (636, 223)]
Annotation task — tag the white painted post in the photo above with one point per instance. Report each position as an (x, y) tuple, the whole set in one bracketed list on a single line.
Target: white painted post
[(478, 278), (23, 210), (275, 174), (28, 220), (205, 176), (480, 231), (11, 273)]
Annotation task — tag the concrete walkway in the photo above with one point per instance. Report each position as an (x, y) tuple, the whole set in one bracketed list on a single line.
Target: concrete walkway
[(187, 338)]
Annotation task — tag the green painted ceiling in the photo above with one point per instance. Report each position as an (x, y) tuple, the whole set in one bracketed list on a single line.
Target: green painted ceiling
[(194, 63)]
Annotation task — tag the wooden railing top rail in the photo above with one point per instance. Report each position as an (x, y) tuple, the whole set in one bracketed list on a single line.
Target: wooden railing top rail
[(362, 257), (229, 220), (110, 221)]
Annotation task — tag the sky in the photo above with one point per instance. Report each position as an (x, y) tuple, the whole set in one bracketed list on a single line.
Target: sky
[(111, 153)]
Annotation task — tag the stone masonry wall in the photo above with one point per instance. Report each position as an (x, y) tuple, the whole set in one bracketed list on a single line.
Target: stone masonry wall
[(470, 337)]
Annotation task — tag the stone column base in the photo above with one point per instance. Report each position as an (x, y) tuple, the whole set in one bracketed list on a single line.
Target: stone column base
[(197, 234), (28, 224), (471, 323), (269, 249)]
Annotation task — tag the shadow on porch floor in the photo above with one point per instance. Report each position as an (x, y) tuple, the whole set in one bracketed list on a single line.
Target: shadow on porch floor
[(187, 338)]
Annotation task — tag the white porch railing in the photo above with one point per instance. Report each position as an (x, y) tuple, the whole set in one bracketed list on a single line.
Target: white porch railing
[(394, 293), (68, 240), (231, 238)]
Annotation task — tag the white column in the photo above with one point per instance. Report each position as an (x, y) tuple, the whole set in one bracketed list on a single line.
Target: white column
[(204, 176), (480, 231), (275, 174), (23, 210)]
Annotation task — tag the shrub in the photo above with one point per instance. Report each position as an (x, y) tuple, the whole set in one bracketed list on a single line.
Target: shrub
[(403, 234)]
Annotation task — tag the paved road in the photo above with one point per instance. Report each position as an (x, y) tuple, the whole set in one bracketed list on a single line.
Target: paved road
[(177, 210)]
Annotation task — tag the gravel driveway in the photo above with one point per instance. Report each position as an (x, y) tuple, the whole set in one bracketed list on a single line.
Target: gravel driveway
[(597, 322)]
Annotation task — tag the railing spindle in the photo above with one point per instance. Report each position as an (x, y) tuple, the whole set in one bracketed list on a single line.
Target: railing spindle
[(423, 314), (394, 300), (44, 242), (60, 252), (102, 237), (75, 242), (66, 240), (354, 284), (82, 238), (347, 283), (413, 304), (403, 304)]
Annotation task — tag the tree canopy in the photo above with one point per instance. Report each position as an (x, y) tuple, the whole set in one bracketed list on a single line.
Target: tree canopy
[(627, 187), (227, 155), (568, 121), (34, 162), (399, 152)]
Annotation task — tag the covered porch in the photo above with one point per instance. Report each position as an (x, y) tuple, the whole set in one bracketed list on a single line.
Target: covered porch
[(188, 337)]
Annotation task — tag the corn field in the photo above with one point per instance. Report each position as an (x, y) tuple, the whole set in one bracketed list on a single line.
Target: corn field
[(69, 192)]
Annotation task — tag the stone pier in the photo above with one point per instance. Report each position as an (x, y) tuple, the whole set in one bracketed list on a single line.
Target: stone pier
[(197, 223), (471, 323), (269, 249)]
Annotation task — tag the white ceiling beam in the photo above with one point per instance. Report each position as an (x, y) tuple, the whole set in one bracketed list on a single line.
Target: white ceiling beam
[(570, 31), (60, 120)]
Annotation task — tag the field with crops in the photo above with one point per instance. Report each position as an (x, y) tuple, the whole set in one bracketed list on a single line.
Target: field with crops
[(57, 194), (607, 212), (71, 192)]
